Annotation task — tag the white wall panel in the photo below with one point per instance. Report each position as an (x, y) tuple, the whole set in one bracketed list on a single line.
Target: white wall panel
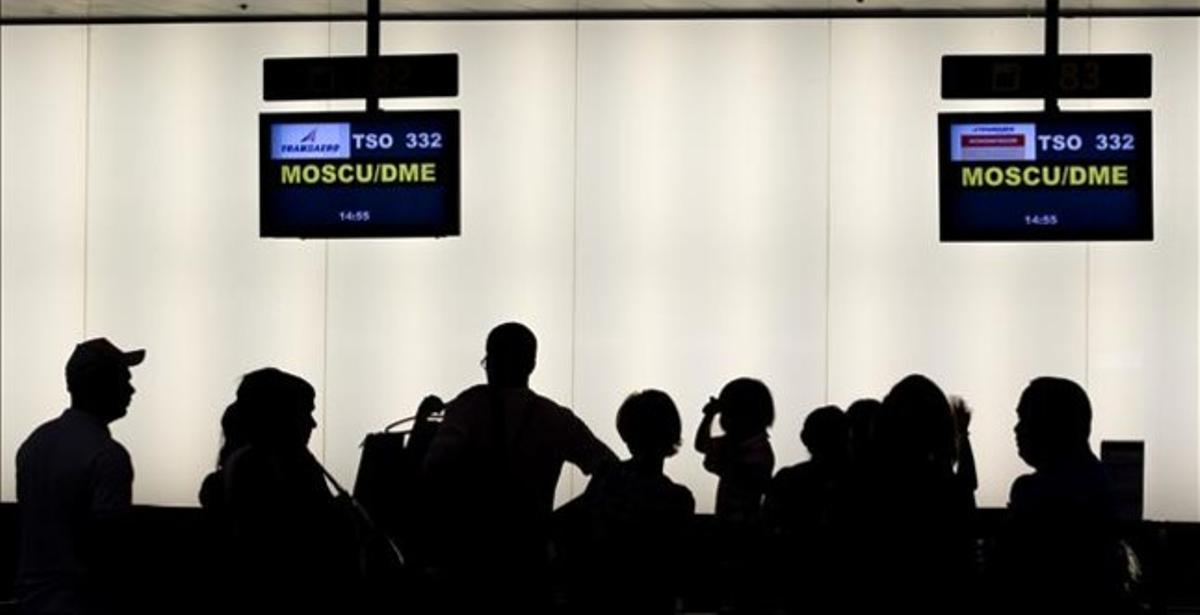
[(980, 319), (409, 317), (701, 224), (174, 259), (1142, 301), (43, 98)]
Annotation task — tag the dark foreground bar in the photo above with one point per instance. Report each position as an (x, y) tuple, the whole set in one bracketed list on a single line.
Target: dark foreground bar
[(173, 563)]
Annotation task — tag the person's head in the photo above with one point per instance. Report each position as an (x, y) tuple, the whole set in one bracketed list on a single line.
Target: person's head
[(1054, 420), (862, 417), (825, 433), (916, 423), (99, 379), (273, 408), (234, 431), (746, 407), (649, 424), (511, 355)]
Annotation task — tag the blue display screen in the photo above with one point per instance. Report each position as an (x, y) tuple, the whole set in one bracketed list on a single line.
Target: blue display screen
[(355, 174), (1072, 176)]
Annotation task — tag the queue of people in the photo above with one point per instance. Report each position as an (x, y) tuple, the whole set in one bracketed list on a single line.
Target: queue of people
[(880, 518)]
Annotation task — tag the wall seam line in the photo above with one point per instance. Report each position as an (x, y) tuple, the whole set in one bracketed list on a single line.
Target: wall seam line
[(87, 157), (828, 203), (574, 240), (325, 360), (1087, 285), (325, 315)]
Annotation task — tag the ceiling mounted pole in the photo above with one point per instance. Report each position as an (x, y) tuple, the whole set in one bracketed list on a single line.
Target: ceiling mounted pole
[(1053, 72), (373, 19)]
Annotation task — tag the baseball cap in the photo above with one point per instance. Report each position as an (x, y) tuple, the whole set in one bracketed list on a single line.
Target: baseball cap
[(97, 354)]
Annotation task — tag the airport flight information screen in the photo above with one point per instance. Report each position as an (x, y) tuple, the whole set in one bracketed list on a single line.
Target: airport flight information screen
[(358, 174), (1068, 176)]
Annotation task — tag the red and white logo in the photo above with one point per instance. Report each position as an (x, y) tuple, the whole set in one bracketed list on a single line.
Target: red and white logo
[(992, 142)]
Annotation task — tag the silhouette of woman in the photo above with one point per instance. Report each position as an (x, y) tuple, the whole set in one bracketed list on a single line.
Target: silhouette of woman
[(287, 546), (911, 523)]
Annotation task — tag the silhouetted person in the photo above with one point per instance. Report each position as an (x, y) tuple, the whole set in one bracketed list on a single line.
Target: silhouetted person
[(802, 496), (912, 533), (286, 544), (803, 512), (1060, 553), (234, 437), (742, 458), (743, 461), (636, 518), (74, 491), (862, 419), (491, 472)]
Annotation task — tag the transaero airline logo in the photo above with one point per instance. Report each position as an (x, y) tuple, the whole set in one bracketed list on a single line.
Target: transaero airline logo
[(992, 142), (310, 141)]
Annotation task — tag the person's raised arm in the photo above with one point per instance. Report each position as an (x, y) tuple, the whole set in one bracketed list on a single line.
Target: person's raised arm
[(966, 457), (585, 450), (704, 432)]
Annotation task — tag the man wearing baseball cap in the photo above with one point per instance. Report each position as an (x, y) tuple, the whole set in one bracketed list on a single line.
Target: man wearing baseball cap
[(74, 489)]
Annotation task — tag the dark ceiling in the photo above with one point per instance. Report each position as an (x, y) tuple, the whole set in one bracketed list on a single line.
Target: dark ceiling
[(13, 11)]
